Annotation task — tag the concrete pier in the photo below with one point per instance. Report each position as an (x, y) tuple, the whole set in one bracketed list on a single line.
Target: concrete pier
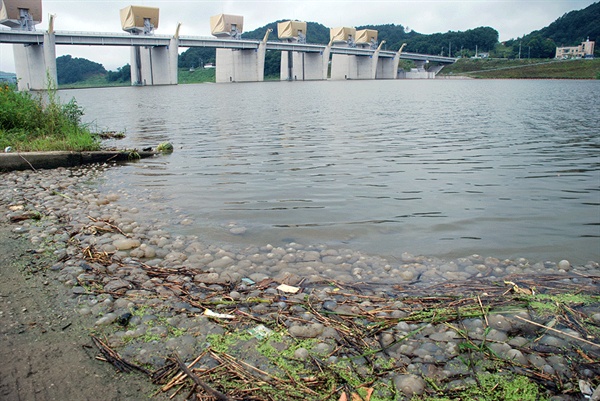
[(347, 66), (387, 68), (301, 66), (154, 65), (242, 65), (35, 65)]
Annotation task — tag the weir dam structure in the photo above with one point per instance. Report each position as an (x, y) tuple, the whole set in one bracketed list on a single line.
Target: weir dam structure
[(350, 54)]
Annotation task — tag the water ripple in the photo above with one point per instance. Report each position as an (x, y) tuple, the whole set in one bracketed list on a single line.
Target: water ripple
[(441, 168)]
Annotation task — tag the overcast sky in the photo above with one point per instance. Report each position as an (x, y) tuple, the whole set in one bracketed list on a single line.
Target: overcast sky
[(511, 18)]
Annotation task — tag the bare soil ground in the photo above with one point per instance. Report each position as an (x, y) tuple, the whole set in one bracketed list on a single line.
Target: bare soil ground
[(45, 348)]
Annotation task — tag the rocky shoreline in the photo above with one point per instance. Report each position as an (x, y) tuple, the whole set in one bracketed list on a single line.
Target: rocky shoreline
[(343, 322)]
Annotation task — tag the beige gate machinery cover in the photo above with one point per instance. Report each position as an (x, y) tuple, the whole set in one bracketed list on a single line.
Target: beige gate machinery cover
[(133, 17), (341, 34), (290, 29), (9, 10), (220, 25), (365, 36)]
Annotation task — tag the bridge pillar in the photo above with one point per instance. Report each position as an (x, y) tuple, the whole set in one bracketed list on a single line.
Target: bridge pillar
[(390, 70), (375, 61), (387, 68), (347, 66), (35, 65), (302, 66), (243, 65), (154, 65), (239, 65), (343, 66), (325, 59)]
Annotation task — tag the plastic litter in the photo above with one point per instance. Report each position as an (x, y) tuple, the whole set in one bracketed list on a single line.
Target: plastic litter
[(210, 313), (260, 332), (288, 288)]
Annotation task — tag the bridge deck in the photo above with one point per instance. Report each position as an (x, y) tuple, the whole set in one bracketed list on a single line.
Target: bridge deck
[(125, 39)]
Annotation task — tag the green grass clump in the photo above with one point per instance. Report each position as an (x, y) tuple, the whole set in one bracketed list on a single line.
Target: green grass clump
[(199, 75), (552, 305), (493, 387), (36, 123), (94, 81)]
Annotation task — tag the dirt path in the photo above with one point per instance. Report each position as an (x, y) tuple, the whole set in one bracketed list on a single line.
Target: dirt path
[(45, 349)]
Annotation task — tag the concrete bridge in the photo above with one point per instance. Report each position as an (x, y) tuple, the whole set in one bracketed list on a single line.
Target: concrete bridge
[(154, 57)]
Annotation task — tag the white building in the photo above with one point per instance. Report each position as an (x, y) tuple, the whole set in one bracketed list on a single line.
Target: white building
[(584, 50)]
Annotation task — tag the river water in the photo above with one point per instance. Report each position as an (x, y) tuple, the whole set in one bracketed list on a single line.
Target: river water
[(443, 168)]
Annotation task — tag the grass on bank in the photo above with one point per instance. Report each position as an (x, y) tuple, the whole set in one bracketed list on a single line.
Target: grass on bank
[(475, 68), (40, 122), (184, 76), (94, 81), (525, 69)]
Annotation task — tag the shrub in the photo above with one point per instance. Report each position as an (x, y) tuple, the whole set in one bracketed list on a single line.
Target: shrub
[(29, 122)]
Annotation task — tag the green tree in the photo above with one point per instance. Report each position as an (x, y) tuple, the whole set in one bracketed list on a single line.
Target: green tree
[(538, 47), (123, 74), (273, 64), (69, 69), (197, 57)]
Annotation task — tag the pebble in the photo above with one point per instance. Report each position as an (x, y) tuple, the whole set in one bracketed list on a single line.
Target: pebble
[(106, 319), (307, 331), (409, 384)]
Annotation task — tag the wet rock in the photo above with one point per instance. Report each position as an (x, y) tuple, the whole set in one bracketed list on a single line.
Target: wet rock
[(307, 331), (107, 319), (238, 230), (221, 263), (117, 285), (564, 265), (409, 384), (499, 322), (126, 244), (301, 353)]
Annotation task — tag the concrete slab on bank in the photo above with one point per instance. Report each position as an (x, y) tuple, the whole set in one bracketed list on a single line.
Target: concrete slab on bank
[(48, 160)]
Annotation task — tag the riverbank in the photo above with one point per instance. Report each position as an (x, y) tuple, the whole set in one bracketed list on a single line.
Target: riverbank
[(524, 69), (44, 345), (48, 160), (470, 68), (302, 321)]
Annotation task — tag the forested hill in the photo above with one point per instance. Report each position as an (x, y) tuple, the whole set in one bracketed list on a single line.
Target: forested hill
[(572, 28), (569, 30), (316, 33), (485, 38)]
